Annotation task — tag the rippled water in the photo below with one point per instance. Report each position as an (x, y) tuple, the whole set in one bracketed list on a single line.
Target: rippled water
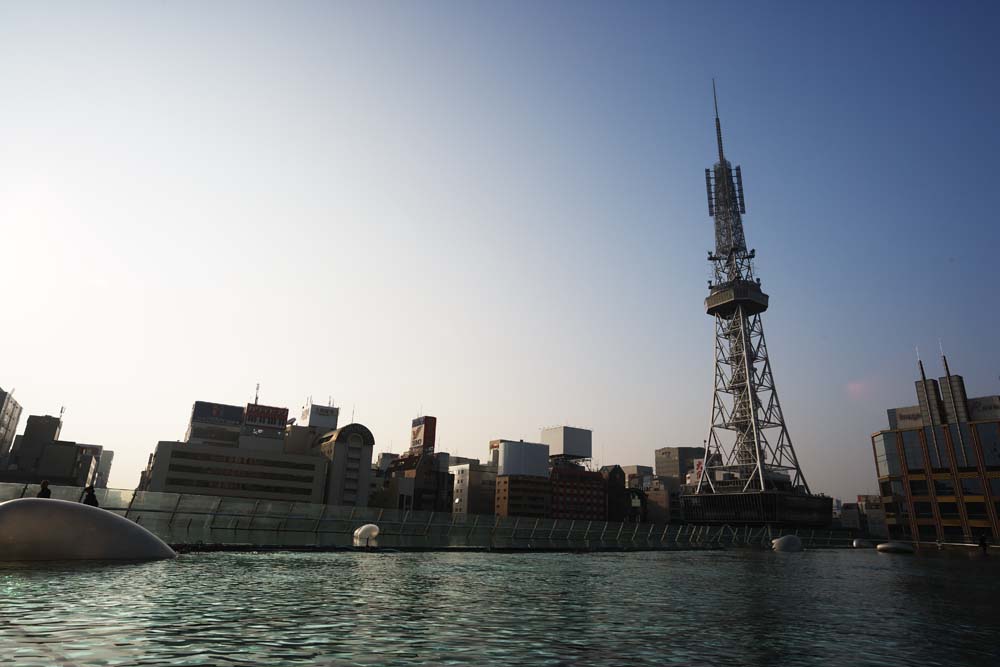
[(690, 608)]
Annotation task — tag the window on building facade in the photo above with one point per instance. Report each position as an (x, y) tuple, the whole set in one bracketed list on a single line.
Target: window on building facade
[(972, 486), (976, 510), (942, 445), (886, 455), (948, 510), (944, 487), (918, 487), (923, 510), (989, 440), (911, 450)]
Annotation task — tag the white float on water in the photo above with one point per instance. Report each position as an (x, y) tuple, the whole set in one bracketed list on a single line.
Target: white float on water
[(365, 532), (365, 535), (45, 529), (895, 548), (861, 544), (787, 543)]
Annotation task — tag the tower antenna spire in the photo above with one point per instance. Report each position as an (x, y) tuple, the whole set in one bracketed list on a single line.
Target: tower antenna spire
[(718, 123)]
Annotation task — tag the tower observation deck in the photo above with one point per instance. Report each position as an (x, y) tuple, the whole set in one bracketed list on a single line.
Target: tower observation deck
[(750, 474)]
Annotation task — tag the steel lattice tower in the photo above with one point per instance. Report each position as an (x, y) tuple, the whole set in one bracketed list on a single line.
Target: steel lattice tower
[(748, 450)]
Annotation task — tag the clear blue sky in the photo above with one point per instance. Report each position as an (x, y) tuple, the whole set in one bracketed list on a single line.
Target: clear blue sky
[(493, 213)]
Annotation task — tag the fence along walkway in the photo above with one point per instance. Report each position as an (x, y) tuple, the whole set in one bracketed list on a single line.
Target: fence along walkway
[(187, 519)]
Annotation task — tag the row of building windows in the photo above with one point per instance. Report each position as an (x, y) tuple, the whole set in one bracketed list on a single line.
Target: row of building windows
[(236, 486), (235, 472), (242, 460), (960, 437)]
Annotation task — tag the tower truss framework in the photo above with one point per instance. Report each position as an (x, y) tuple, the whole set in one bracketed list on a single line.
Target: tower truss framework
[(750, 472)]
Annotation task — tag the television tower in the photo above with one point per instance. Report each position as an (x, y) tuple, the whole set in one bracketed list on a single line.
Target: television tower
[(750, 472)]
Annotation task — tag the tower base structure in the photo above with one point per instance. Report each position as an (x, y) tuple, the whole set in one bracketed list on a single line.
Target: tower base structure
[(758, 508)]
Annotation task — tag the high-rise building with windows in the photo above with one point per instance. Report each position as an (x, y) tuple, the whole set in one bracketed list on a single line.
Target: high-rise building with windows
[(10, 415), (938, 464)]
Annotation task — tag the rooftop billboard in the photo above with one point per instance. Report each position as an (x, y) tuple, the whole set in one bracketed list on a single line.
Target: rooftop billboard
[(423, 435), (217, 413), (265, 416)]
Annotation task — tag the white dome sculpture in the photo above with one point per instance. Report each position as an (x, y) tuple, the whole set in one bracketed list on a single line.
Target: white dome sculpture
[(366, 532), (787, 543), (33, 529)]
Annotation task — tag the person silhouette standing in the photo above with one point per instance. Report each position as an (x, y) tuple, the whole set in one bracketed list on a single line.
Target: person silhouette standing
[(45, 491), (90, 498)]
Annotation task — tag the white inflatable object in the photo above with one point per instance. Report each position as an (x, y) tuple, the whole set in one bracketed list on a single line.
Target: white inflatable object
[(895, 548), (861, 544), (788, 543), (366, 532), (44, 529)]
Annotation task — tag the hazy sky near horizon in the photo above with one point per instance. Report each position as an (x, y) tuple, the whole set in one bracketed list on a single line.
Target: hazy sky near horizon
[(490, 212)]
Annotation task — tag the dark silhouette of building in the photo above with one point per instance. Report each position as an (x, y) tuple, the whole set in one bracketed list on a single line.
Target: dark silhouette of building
[(617, 498)]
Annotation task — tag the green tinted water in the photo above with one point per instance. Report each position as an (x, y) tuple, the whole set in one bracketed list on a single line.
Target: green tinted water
[(691, 608)]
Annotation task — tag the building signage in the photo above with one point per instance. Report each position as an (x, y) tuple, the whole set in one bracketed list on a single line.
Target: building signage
[(266, 416), (217, 413), (423, 434)]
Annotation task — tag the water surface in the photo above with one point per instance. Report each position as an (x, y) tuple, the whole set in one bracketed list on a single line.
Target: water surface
[(685, 608)]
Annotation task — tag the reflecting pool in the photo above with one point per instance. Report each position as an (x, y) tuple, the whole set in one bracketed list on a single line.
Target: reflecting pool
[(834, 607)]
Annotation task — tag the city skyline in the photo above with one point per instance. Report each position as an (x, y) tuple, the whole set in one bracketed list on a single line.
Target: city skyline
[(470, 213)]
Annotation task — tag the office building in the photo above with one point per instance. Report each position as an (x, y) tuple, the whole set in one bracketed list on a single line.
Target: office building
[(39, 431), (673, 463), (349, 451), (38, 454), (253, 452), (662, 504), (213, 470), (475, 488), (578, 493), (938, 463), (418, 480), (523, 496), (104, 469), (619, 498), (872, 516), (10, 415), (522, 483), (638, 477)]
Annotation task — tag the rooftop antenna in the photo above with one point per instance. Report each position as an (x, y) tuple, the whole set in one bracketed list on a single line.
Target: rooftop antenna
[(62, 411), (256, 394), (352, 414), (329, 402), (718, 123)]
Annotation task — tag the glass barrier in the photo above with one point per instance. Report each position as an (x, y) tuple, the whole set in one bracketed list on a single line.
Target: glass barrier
[(188, 519)]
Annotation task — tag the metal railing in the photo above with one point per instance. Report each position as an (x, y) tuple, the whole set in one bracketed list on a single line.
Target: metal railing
[(224, 522)]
